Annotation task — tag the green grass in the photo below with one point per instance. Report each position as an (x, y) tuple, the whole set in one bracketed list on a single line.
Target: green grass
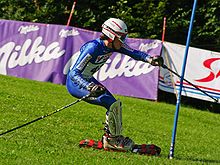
[(54, 140)]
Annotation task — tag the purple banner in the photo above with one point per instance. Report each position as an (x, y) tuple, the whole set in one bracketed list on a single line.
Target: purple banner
[(44, 52)]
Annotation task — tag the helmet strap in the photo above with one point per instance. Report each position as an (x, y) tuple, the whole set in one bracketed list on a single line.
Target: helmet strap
[(110, 40), (113, 45)]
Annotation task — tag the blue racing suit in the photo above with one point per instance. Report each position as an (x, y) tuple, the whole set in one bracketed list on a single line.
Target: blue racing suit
[(93, 55)]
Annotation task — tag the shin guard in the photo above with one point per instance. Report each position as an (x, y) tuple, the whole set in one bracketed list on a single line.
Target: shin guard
[(114, 119)]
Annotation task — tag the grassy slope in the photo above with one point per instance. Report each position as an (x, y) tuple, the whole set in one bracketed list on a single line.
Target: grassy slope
[(54, 140)]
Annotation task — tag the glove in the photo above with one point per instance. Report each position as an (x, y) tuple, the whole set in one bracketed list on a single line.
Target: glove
[(96, 89), (156, 61)]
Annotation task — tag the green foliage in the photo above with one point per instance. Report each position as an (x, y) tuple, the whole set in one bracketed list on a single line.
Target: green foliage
[(50, 11), (143, 17), (54, 140), (208, 18)]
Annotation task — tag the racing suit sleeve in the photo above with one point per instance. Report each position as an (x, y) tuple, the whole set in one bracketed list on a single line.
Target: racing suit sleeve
[(135, 54), (80, 65)]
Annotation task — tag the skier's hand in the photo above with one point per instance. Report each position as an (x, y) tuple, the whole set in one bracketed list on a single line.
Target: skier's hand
[(96, 89), (156, 61)]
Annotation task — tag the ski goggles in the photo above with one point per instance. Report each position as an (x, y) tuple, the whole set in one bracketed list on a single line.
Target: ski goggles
[(122, 36)]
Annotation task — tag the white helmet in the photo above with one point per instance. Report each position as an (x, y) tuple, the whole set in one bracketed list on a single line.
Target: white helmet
[(114, 27)]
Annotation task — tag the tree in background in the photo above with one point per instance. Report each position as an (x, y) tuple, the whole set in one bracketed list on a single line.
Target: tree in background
[(44, 11), (143, 17), (206, 28)]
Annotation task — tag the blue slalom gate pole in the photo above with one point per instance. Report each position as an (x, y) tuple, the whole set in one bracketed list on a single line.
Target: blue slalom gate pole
[(172, 146)]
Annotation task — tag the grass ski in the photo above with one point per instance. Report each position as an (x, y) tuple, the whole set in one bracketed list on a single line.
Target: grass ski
[(142, 149)]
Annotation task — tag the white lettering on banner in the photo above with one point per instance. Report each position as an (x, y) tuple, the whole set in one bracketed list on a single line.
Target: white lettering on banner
[(27, 29), (112, 68), (128, 67), (65, 33), (146, 47), (70, 63), (16, 55)]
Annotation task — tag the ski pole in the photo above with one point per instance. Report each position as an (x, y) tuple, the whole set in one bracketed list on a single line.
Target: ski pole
[(42, 117), (215, 99)]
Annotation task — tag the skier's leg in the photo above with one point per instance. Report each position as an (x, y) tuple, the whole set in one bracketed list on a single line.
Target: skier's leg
[(105, 100), (113, 139)]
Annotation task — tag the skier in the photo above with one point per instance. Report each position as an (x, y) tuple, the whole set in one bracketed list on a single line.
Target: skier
[(80, 80)]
